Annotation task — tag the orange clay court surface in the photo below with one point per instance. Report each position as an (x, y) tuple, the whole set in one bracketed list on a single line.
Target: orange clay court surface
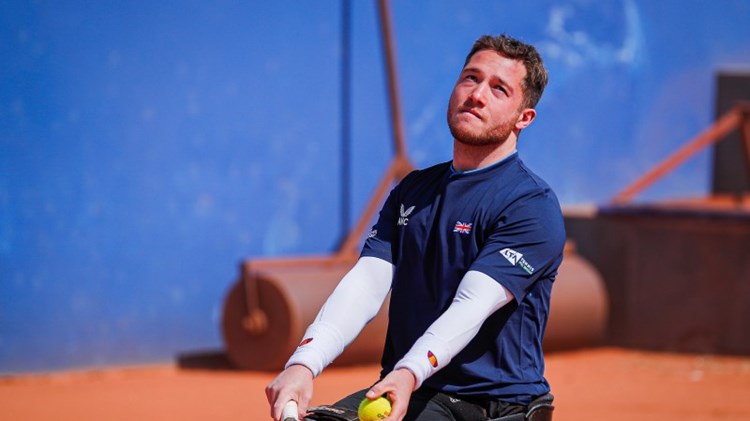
[(597, 384)]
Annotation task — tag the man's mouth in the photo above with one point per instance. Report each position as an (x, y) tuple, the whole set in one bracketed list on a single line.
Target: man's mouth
[(473, 112)]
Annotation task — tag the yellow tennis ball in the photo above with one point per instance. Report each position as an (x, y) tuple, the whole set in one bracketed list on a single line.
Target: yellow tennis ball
[(374, 410)]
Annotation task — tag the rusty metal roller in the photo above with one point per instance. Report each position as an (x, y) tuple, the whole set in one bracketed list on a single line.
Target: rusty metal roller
[(579, 308), (267, 311)]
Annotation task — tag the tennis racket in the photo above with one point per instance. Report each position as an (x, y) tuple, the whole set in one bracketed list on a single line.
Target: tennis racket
[(290, 411)]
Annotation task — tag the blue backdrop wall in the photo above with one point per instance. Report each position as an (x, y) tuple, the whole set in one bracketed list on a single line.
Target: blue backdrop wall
[(146, 148)]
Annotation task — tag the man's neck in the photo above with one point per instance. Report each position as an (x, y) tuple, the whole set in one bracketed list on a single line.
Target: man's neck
[(469, 157)]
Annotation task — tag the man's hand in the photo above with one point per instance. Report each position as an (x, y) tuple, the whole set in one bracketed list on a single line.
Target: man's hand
[(293, 384), (397, 385)]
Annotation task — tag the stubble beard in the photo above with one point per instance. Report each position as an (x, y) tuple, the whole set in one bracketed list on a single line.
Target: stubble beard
[(494, 136)]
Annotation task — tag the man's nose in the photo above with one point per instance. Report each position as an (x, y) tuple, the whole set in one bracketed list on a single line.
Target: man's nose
[(478, 93)]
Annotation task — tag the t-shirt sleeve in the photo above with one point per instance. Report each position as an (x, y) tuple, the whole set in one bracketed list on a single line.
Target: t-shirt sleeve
[(524, 244), (379, 242)]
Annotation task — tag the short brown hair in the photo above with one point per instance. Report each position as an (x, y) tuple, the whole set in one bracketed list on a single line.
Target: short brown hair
[(536, 75)]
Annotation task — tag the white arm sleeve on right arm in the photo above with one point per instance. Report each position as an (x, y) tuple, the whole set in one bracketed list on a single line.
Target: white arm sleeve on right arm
[(477, 297), (354, 302)]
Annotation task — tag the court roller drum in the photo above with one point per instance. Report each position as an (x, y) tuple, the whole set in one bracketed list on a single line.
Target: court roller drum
[(267, 311), (579, 309)]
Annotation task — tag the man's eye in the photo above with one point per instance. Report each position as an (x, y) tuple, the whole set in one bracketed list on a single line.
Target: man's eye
[(471, 78), (501, 89)]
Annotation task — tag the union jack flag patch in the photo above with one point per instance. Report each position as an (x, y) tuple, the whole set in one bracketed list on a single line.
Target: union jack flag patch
[(462, 227)]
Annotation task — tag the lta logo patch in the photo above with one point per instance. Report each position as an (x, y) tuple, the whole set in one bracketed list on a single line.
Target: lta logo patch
[(517, 259)]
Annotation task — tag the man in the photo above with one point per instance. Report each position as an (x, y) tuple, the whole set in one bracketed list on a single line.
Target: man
[(469, 250)]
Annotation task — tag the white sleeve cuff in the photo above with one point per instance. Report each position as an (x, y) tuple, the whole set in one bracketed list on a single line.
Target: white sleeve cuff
[(426, 356), (322, 343)]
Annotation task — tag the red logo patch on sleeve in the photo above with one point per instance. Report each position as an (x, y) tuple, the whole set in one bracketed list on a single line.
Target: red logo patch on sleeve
[(432, 358), (304, 342)]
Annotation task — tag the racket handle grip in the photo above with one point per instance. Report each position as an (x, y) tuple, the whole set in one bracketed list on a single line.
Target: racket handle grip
[(290, 411)]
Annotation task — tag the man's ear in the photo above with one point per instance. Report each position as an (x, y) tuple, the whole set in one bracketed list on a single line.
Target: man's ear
[(525, 118)]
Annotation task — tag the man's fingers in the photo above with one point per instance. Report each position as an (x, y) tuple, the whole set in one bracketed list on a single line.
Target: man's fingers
[(302, 404), (398, 411), (375, 392), (292, 384)]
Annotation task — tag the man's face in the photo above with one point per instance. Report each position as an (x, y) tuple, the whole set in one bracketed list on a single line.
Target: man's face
[(485, 106)]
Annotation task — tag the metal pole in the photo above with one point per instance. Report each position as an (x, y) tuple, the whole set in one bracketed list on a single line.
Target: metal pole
[(345, 116), (393, 92)]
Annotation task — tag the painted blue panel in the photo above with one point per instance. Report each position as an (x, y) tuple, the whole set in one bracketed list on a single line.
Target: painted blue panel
[(146, 149)]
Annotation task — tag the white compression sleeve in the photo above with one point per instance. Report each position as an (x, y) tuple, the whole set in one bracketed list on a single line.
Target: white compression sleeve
[(354, 302), (477, 297)]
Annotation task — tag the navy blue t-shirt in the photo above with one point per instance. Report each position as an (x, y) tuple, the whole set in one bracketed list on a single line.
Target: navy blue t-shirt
[(503, 221)]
